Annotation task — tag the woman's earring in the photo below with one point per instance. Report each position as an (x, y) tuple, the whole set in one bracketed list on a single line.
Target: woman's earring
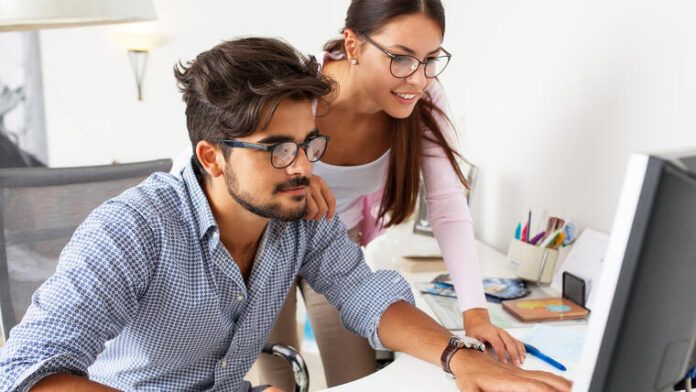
[(354, 61)]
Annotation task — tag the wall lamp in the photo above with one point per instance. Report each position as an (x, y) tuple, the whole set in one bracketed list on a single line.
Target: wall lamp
[(138, 45)]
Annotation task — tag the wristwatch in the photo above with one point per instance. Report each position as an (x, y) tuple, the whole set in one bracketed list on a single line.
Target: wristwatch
[(455, 344)]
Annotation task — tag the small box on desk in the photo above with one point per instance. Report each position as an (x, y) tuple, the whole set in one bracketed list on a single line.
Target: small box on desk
[(532, 263), (422, 264)]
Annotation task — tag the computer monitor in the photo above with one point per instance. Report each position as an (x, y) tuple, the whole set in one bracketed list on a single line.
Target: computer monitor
[(641, 333)]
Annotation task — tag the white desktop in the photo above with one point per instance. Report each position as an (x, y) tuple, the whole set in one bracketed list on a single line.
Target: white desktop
[(408, 373)]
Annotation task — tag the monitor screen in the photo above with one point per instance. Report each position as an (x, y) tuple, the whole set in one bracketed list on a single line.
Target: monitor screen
[(641, 334)]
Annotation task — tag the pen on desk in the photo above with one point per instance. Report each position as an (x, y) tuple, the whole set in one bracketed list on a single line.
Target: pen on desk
[(438, 294), (525, 233), (529, 226), (518, 231), (535, 351), (549, 240), (535, 240), (558, 241)]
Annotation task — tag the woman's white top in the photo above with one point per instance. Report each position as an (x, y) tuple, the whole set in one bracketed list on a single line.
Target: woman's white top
[(350, 183)]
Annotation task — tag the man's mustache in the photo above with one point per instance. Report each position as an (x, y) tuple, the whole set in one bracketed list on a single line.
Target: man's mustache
[(293, 183)]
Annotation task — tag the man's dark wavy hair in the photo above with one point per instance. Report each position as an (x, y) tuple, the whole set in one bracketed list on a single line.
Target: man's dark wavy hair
[(235, 87)]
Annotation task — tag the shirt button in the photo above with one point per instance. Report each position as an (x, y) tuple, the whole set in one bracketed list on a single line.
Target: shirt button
[(240, 297), (223, 363)]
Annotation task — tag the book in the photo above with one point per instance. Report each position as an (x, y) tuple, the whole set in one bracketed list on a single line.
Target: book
[(545, 309)]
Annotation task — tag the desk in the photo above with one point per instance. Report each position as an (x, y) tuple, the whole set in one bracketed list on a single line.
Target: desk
[(408, 373)]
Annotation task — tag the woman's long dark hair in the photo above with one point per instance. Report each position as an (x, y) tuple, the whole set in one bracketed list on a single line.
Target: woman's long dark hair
[(401, 189)]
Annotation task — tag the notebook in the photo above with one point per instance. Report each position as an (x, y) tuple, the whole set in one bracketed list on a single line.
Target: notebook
[(545, 309)]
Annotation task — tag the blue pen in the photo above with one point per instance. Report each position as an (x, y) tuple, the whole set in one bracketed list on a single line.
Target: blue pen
[(438, 294), (535, 351)]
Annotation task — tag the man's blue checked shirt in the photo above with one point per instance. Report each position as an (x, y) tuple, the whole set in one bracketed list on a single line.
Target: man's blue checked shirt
[(147, 298)]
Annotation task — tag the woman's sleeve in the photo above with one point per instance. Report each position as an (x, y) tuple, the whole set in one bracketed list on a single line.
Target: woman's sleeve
[(448, 212)]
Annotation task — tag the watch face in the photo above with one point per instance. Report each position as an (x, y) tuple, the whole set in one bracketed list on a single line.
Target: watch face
[(468, 342)]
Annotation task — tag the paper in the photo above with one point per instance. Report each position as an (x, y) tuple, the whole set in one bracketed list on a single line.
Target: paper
[(502, 319), (585, 261), (560, 343), (446, 309)]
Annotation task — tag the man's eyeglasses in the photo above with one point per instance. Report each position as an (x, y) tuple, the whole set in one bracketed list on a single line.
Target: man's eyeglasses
[(284, 154), (403, 66)]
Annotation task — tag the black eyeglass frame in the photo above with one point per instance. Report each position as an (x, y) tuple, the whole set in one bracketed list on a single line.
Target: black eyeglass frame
[(392, 56), (262, 147)]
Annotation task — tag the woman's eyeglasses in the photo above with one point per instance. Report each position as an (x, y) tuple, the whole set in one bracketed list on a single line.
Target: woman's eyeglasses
[(403, 66), (284, 154)]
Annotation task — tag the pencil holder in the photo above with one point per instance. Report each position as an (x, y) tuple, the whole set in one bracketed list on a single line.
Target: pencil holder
[(532, 263)]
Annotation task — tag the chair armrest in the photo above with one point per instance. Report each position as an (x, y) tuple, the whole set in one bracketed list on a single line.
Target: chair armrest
[(299, 367)]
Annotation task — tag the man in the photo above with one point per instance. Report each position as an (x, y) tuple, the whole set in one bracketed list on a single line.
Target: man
[(175, 284)]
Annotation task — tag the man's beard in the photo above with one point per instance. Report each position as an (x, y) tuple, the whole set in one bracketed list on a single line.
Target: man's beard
[(270, 210)]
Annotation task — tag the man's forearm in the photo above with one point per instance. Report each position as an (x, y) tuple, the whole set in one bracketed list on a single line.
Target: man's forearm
[(69, 382), (405, 328)]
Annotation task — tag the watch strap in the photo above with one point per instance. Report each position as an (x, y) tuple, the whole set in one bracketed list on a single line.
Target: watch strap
[(454, 345)]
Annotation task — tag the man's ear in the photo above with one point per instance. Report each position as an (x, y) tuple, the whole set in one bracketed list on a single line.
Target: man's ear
[(352, 44), (207, 154)]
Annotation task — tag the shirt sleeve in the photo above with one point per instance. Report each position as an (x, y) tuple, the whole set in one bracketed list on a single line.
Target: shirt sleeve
[(448, 212), (94, 292), (335, 266)]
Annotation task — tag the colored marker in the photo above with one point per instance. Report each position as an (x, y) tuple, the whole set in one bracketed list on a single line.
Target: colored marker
[(518, 231), (537, 238), (525, 233)]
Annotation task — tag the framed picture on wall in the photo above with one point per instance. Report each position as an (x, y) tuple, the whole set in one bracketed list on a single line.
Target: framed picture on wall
[(22, 125)]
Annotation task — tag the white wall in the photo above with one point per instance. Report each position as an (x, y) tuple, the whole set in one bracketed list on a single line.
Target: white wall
[(550, 96), (91, 102), (553, 95)]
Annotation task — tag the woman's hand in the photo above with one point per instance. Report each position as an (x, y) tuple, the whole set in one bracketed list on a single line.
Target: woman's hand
[(320, 200), (477, 324)]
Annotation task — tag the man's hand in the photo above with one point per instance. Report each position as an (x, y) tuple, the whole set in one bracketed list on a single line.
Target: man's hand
[(407, 329), (320, 200), (477, 371), (477, 324)]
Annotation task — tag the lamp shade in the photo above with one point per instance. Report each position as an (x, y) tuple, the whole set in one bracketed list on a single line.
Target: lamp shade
[(18, 15)]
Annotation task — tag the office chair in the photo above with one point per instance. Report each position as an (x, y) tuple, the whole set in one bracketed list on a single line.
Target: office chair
[(40, 208), (299, 368)]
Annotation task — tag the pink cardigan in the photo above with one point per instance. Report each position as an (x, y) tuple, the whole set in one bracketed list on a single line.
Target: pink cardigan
[(448, 212)]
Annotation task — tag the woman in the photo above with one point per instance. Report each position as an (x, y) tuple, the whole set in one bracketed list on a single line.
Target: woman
[(387, 124)]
